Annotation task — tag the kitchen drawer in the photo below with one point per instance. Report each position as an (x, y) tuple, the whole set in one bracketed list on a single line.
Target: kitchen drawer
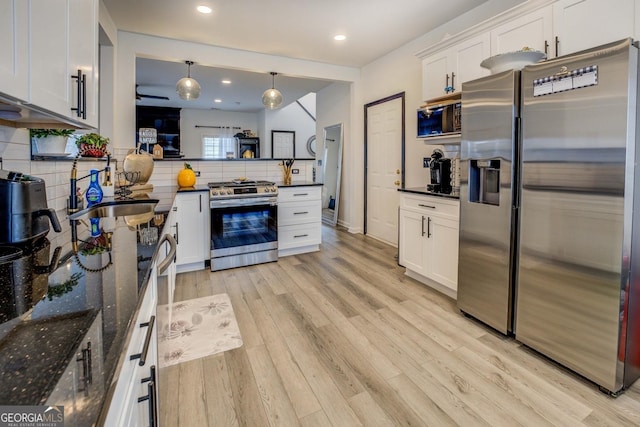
[(299, 212), (431, 205), (298, 194), (293, 236)]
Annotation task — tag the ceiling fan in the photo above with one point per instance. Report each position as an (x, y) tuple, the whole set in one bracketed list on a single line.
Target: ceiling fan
[(139, 96)]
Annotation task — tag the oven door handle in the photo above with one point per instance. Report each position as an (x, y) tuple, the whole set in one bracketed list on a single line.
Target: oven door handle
[(244, 201)]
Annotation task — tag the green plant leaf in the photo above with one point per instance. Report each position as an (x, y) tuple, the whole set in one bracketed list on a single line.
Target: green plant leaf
[(43, 133)]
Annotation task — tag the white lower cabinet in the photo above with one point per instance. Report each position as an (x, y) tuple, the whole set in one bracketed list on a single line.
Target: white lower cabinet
[(299, 219), (135, 398), (189, 219), (428, 246)]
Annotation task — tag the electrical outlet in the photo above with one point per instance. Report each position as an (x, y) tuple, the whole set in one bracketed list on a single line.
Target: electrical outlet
[(295, 171), (197, 173), (425, 162)]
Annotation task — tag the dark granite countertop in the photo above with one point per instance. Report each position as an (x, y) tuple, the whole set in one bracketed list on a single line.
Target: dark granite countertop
[(51, 297), (423, 191)]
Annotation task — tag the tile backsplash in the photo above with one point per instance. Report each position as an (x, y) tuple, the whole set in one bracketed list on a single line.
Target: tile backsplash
[(16, 156)]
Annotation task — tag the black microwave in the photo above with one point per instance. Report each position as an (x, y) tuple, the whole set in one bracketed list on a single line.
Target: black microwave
[(435, 120)]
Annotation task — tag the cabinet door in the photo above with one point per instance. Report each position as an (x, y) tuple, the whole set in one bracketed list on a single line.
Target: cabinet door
[(467, 57), (14, 61), (533, 31), (582, 24), (443, 260), (50, 79), (435, 70), (191, 225), (412, 248), (83, 56), (58, 51)]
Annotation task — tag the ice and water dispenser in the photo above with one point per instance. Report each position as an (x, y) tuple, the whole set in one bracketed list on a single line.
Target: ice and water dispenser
[(484, 181)]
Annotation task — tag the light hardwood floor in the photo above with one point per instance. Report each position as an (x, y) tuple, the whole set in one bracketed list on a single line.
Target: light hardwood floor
[(342, 337)]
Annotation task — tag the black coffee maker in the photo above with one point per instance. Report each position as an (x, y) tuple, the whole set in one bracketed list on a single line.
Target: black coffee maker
[(440, 171)]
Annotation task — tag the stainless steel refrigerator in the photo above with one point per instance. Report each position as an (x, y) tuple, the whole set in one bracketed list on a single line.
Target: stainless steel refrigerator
[(548, 225)]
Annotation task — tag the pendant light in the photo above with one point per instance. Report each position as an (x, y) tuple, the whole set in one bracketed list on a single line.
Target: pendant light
[(272, 98), (187, 87)]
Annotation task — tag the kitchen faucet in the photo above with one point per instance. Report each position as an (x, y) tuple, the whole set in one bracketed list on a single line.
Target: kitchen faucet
[(73, 180)]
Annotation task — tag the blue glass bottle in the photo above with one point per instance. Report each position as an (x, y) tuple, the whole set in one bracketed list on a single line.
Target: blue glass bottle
[(95, 227), (94, 192)]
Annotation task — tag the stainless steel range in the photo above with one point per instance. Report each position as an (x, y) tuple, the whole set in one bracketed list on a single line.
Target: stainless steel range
[(244, 223)]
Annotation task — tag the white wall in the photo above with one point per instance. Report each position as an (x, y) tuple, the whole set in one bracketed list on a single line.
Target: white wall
[(291, 118), (401, 71), (333, 105)]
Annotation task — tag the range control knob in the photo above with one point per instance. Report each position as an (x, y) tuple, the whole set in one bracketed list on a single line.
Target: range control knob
[(214, 193)]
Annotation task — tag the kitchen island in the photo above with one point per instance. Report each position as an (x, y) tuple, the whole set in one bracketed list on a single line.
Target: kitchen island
[(67, 314)]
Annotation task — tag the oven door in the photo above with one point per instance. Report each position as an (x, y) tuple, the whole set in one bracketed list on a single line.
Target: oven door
[(243, 225)]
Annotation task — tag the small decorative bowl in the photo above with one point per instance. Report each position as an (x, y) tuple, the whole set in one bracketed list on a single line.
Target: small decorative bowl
[(512, 60), (88, 151)]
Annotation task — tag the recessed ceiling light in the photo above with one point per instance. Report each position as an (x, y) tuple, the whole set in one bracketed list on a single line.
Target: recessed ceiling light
[(217, 101), (226, 82), (339, 37), (204, 9)]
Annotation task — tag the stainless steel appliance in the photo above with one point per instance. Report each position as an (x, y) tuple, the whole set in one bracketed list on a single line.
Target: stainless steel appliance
[(488, 199), (568, 272), (439, 117), (244, 224), (24, 215)]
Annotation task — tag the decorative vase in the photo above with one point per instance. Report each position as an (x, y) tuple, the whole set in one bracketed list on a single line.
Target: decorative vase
[(140, 161), (287, 177), (53, 144)]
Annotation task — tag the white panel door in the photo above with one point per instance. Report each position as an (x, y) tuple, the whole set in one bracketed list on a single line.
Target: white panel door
[(384, 146), (582, 24)]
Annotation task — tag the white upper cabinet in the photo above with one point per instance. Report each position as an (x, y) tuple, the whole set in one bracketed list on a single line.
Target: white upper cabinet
[(83, 56), (453, 66), (14, 33), (64, 58), (582, 24), (534, 30)]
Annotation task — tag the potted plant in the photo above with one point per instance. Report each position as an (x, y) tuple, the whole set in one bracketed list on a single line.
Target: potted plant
[(50, 141), (92, 145)]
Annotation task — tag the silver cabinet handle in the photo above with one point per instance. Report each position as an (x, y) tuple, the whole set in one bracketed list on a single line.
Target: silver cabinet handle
[(300, 194), (429, 227), (151, 397), (300, 213), (147, 341), (423, 225), (162, 267), (300, 235), (426, 206), (87, 374)]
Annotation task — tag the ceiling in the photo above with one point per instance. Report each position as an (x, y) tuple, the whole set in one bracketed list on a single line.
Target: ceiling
[(301, 29), (244, 94)]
